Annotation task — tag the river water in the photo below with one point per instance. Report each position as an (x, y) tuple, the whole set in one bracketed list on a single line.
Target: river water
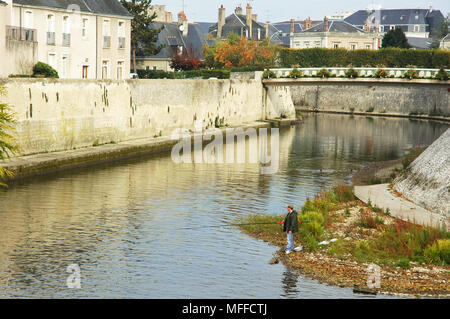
[(121, 223)]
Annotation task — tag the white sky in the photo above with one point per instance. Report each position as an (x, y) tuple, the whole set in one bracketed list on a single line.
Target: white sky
[(272, 10)]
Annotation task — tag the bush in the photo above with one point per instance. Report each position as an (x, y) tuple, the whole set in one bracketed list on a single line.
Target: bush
[(410, 74), (351, 73), (389, 57), (220, 74), (381, 73), (442, 75), (324, 73), (268, 74), (185, 63), (439, 252), (295, 74), (44, 70), (205, 74)]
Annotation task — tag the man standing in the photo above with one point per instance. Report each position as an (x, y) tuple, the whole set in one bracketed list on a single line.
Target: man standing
[(290, 226)]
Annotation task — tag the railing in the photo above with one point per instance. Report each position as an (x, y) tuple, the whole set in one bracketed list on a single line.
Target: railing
[(21, 34), (51, 38), (121, 43), (106, 42), (363, 72), (66, 40)]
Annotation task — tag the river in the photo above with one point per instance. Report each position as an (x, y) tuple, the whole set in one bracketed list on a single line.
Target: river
[(121, 223)]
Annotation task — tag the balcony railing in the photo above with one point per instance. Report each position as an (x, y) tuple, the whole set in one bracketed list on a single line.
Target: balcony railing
[(121, 43), (51, 38), (21, 34), (66, 40), (106, 42)]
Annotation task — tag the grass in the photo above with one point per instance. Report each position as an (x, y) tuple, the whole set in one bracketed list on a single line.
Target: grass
[(397, 243)]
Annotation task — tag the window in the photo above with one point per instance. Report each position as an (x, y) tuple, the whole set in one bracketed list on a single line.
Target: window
[(120, 70), (51, 29), (368, 46), (105, 70), (381, 29), (84, 28), (121, 34), (417, 28), (352, 46), (259, 34), (106, 34), (336, 45), (85, 72), (66, 31), (52, 60), (392, 27), (28, 20), (64, 67), (306, 44)]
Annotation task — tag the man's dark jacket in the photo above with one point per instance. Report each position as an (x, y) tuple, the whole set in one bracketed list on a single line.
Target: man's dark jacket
[(291, 222)]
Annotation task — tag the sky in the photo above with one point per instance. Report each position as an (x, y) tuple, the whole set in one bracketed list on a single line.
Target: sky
[(282, 10)]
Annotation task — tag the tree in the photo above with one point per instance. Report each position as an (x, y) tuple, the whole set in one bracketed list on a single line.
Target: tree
[(7, 146), (187, 61), (237, 51), (143, 38), (395, 38)]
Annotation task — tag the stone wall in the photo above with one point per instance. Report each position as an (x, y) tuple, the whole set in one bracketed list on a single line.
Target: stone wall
[(427, 180), (387, 96), (57, 115)]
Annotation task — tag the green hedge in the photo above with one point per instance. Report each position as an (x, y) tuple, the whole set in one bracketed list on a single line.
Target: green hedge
[(204, 74), (389, 57)]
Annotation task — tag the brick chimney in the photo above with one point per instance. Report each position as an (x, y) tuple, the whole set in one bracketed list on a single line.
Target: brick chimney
[(366, 26), (267, 30), (325, 25), (292, 25), (238, 10), (249, 20), (308, 23), (255, 17), (220, 21), (185, 27)]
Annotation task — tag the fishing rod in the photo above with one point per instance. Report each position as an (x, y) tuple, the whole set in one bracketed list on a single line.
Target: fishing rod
[(246, 224)]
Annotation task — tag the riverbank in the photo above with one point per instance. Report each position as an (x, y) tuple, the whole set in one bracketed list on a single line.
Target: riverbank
[(47, 163), (407, 254)]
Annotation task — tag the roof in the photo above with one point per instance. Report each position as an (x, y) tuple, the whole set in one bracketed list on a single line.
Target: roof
[(2, 3), (172, 38), (335, 26), (102, 7), (234, 23), (446, 38), (285, 26), (397, 17), (420, 43)]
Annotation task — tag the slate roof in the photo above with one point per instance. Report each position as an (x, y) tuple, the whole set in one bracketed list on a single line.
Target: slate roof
[(285, 26), (103, 7), (398, 17), (335, 26), (420, 43), (172, 38), (235, 23)]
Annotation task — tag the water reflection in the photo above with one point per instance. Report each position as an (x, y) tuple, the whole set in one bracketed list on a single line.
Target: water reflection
[(121, 223)]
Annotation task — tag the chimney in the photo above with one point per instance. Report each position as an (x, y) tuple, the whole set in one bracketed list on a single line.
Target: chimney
[(267, 30), (181, 17), (255, 17), (292, 25), (325, 25), (366, 26), (169, 17), (308, 23), (185, 27), (220, 21), (249, 20), (238, 10)]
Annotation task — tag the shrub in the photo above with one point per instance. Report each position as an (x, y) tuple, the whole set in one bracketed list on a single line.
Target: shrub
[(442, 75), (351, 73), (439, 252), (410, 74), (220, 74), (44, 70), (324, 73), (295, 74), (381, 73), (268, 74), (185, 63)]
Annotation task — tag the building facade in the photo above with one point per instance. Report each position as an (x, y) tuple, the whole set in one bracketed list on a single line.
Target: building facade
[(333, 34), (445, 42), (87, 39)]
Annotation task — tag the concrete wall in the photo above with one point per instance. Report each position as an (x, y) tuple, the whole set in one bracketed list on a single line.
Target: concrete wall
[(56, 115), (426, 181), (387, 96)]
